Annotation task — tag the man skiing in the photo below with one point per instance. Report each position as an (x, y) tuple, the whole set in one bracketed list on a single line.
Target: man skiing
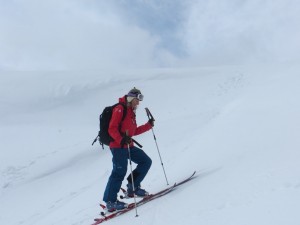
[(122, 131)]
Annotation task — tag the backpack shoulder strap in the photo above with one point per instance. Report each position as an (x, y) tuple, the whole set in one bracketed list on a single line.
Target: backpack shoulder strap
[(124, 109), (124, 114)]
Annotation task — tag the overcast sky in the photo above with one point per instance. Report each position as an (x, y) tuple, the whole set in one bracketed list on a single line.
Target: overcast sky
[(98, 34)]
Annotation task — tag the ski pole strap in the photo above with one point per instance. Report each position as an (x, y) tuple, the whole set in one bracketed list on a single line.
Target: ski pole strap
[(138, 144)]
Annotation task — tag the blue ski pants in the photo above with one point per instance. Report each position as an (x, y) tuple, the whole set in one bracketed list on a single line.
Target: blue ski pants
[(120, 158)]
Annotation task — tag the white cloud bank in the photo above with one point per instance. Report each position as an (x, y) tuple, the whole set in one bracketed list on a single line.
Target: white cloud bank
[(65, 34)]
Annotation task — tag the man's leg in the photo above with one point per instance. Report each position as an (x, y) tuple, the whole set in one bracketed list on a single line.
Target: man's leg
[(120, 156), (143, 162)]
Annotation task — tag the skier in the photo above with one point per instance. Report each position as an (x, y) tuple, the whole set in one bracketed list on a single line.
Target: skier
[(121, 132)]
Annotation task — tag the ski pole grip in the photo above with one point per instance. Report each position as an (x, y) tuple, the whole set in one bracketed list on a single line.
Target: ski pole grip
[(150, 116)]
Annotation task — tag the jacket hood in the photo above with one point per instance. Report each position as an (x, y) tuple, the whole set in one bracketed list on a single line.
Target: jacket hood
[(123, 99)]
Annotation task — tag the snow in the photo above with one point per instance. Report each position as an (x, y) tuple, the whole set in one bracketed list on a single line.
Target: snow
[(237, 126)]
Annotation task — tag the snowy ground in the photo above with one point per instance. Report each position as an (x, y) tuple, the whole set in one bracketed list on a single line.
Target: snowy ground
[(237, 126)]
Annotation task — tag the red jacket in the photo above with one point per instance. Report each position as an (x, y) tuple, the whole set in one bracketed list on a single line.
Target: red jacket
[(128, 124)]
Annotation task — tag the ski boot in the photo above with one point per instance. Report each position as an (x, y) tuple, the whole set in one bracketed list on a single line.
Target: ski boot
[(117, 205), (139, 192)]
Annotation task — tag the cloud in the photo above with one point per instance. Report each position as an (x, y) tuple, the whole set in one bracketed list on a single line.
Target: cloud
[(78, 34), (73, 35), (161, 18), (235, 32)]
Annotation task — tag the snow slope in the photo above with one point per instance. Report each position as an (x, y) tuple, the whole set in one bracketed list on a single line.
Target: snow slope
[(238, 126)]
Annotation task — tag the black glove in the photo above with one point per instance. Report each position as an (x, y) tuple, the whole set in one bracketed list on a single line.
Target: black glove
[(151, 121), (126, 140)]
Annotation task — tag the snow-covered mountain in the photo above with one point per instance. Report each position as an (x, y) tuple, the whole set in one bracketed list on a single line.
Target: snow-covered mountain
[(237, 126)]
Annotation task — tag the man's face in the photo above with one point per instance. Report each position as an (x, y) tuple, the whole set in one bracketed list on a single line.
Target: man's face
[(135, 102)]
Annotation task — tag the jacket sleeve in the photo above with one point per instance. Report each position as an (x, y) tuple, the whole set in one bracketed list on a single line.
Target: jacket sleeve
[(143, 128), (114, 124)]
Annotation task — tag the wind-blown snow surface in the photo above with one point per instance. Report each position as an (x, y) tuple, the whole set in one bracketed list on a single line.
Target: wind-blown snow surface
[(237, 126)]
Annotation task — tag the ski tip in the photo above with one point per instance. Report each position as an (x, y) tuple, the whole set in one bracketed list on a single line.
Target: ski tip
[(193, 175)]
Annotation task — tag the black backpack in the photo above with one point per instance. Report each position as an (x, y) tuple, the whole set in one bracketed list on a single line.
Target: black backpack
[(105, 117)]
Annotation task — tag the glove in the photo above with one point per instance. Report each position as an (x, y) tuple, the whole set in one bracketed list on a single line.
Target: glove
[(126, 140), (151, 121)]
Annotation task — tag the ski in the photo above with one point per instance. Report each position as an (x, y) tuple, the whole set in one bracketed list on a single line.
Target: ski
[(108, 216), (131, 206)]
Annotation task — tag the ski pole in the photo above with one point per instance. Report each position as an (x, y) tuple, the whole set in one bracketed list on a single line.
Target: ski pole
[(151, 117), (132, 181)]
